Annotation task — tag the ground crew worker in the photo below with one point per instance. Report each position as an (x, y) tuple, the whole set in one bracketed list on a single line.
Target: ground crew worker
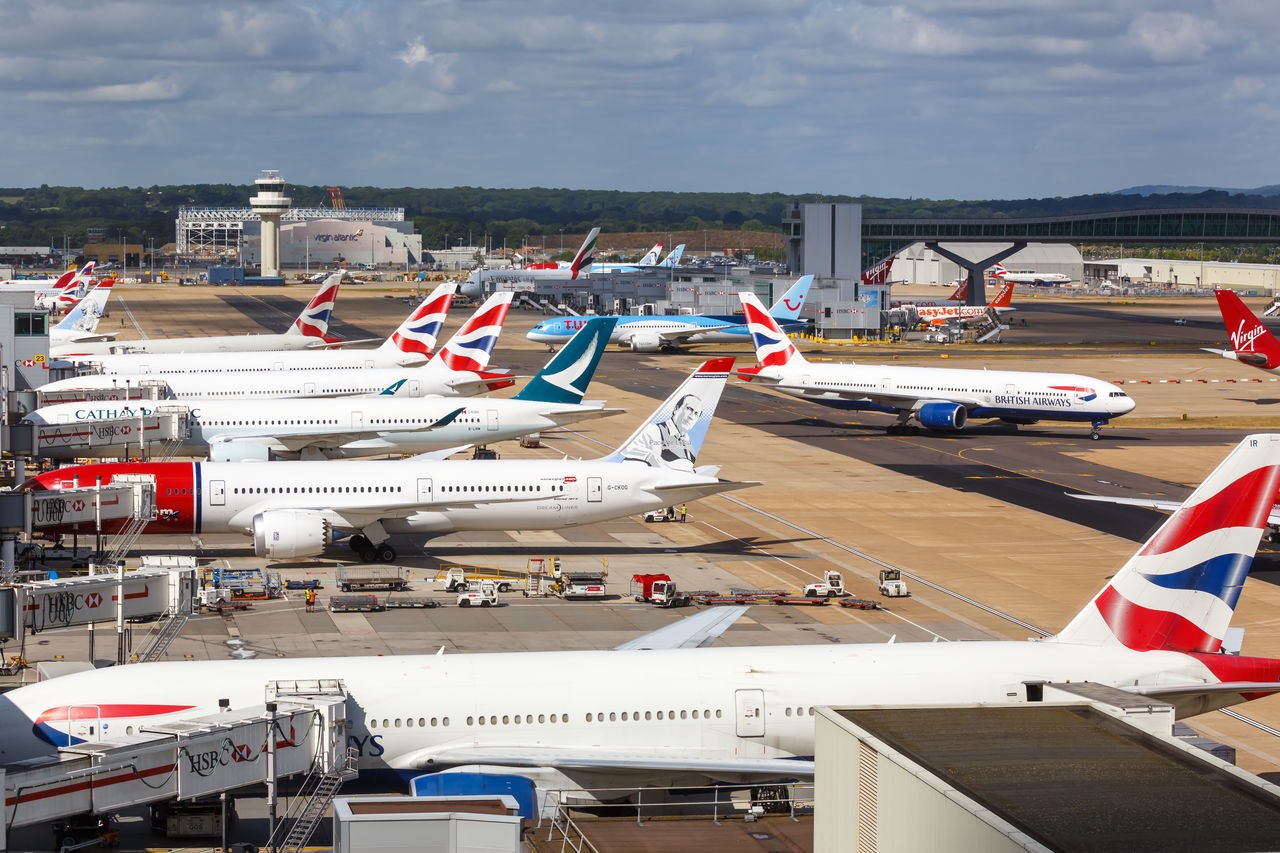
[(311, 600), (684, 511)]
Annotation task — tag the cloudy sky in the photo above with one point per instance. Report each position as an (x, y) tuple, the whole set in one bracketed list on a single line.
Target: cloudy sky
[(970, 99)]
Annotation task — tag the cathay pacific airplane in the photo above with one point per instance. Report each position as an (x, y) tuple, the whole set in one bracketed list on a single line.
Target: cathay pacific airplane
[(234, 429), (939, 398), (647, 333), (661, 711)]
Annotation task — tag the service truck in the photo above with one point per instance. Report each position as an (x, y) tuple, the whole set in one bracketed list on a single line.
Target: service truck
[(658, 589), (831, 586), (578, 584)]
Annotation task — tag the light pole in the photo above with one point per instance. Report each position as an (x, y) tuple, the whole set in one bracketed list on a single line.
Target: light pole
[(562, 239), (124, 259)]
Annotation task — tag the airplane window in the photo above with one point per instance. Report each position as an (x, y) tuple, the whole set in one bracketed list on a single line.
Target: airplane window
[(397, 722), (659, 715), (471, 721), (612, 716), (706, 714), (553, 718), (493, 721), (648, 715), (373, 724), (505, 719), (564, 718), (624, 716), (445, 721), (684, 715), (589, 717), (409, 722), (695, 713), (386, 724), (542, 718), (422, 722), (788, 711)]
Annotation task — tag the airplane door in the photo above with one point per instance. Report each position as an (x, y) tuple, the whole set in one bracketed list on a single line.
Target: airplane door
[(368, 362), (492, 415), (84, 722), (217, 493), (309, 389), (144, 368), (750, 712), (424, 491), (64, 419), (1008, 389), (414, 387), (357, 420), (595, 489), (277, 365)]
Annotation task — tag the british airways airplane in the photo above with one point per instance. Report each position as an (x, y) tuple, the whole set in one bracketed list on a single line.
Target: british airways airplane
[(662, 711), (938, 398), (646, 333)]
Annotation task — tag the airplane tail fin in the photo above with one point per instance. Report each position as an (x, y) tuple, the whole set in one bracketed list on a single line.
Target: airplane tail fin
[(673, 434), (313, 322), (651, 257), (879, 273), (84, 317), (789, 304), (565, 377), (773, 347), (583, 258), (1004, 298), (470, 346), (998, 270), (673, 259), (1179, 591), (1253, 344), (960, 292), (421, 330), (67, 279)]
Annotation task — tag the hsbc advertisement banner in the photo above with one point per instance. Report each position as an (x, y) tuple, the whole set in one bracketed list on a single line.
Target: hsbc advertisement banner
[(60, 507), (79, 601), (239, 755)]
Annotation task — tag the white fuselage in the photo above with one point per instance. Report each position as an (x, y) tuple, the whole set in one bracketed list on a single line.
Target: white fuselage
[(1013, 394), (413, 382), (1033, 278), (212, 343), (372, 426), (726, 704), (165, 364)]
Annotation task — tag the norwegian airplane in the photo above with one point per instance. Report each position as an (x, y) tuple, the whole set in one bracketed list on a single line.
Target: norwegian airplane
[(660, 711), (236, 430), (1038, 279), (308, 331), (406, 346), (292, 509), (647, 333), (1251, 342), (457, 370), (939, 398), (81, 322)]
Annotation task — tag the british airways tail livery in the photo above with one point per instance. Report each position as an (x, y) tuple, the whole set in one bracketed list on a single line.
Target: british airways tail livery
[(565, 377), (734, 712), (313, 322), (1251, 342), (939, 399), (421, 329)]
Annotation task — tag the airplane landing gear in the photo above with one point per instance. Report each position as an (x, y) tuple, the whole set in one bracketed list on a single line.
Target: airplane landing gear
[(1095, 433)]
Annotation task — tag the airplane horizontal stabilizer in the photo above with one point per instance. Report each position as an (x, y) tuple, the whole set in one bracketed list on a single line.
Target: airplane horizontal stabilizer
[(692, 632)]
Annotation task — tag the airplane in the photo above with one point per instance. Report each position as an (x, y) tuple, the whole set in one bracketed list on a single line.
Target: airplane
[(309, 330), (666, 710), (941, 315), (473, 286), (939, 398), (645, 333), (1032, 278), (650, 258), (291, 509), (235, 429), (673, 259), (410, 344), (1251, 342), (81, 322), (458, 370), (66, 291)]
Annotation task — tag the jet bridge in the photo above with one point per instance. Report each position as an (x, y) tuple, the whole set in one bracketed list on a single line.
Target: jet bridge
[(146, 430), (176, 760)]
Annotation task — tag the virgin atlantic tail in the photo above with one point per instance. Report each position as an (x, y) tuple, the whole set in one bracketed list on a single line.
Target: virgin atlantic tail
[(1251, 342)]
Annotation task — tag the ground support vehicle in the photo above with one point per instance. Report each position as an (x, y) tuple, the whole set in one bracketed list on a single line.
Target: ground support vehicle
[(533, 439), (802, 600), (458, 578), (659, 589), (314, 583), (668, 513), (860, 604), (393, 578), (482, 594), (831, 586), (409, 602), (892, 585), (360, 603)]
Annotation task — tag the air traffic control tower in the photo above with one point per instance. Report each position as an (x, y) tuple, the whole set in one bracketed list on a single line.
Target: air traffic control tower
[(270, 204)]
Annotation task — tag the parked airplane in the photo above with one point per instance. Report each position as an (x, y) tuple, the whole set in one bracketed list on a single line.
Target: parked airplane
[(939, 398), (291, 509), (458, 370), (235, 430), (81, 322), (1251, 342), (673, 259), (649, 333), (473, 286), (1033, 278), (66, 290), (661, 711), (309, 330), (941, 315), (410, 344)]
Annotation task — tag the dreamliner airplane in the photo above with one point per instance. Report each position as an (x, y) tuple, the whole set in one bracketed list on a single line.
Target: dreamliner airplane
[(292, 509), (662, 711), (81, 322), (939, 398), (406, 346), (647, 333), (1251, 342), (235, 430), (1033, 278), (309, 330), (457, 370)]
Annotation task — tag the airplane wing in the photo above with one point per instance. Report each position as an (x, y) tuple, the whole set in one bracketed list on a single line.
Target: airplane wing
[(891, 399), (700, 490), (677, 336), (693, 632), (280, 439), (586, 758), (1273, 518), (580, 414)]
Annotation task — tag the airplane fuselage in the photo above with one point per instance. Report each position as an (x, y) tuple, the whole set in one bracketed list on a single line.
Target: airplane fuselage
[(210, 344), (560, 329)]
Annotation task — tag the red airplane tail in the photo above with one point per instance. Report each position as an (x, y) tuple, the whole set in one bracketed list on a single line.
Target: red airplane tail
[(1004, 298), (1253, 344)]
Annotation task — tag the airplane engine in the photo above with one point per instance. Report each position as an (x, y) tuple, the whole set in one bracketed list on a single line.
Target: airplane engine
[(645, 343), (281, 534), (943, 417), (238, 451)]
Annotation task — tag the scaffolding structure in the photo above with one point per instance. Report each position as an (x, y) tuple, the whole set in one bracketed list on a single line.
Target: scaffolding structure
[(214, 232)]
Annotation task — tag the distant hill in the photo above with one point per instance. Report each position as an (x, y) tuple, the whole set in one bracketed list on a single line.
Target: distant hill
[(1169, 189)]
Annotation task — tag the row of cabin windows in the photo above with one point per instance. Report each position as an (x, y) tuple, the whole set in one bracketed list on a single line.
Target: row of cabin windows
[(249, 369), (282, 490), (284, 392), (333, 422), (535, 488), (613, 717)]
